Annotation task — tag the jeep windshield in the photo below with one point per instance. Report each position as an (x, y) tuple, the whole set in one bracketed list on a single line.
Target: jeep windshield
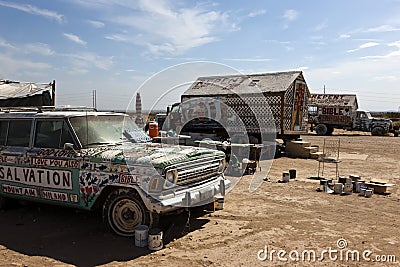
[(93, 130), (368, 114)]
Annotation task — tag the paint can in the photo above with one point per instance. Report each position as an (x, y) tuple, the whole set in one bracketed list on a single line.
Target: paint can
[(342, 179), (285, 177), (358, 187), (362, 192), (155, 239), (348, 188), (219, 203), (338, 188), (153, 129), (141, 235), (292, 173), (368, 193)]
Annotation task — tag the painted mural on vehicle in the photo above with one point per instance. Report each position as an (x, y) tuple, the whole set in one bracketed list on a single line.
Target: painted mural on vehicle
[(53, 170)]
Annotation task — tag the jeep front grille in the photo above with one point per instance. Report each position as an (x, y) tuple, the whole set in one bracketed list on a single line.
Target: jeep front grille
[(196, 170)]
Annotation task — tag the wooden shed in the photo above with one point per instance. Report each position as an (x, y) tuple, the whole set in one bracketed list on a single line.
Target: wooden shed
[(282, 94)]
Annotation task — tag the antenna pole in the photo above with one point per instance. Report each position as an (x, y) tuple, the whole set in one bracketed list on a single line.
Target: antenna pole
[(53, 92), (94, 96)]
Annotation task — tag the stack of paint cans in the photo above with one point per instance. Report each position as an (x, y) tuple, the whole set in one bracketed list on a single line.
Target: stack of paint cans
[(354, 178), (348, 186), (338, 188), (358, 184), (365, 191), (363, 188), (326, 184)]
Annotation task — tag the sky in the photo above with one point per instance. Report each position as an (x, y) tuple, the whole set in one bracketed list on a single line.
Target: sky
[(116, 47)]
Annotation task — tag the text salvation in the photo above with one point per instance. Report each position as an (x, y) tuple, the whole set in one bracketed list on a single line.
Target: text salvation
[(38, 177)]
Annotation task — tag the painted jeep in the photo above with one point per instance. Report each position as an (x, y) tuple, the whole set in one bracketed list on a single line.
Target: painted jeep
[(90, 160)]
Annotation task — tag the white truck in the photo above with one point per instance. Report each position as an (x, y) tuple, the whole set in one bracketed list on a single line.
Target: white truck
[(329, 111)]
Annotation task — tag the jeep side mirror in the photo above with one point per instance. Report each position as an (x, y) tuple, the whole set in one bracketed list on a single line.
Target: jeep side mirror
[(68, 146)]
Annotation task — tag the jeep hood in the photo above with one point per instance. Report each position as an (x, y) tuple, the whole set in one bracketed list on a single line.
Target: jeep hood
[(157, 154)]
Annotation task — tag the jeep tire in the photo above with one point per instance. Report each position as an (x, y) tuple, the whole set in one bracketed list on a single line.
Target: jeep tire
[(321, 129), (378, 131), (330, 130), (123, 210)]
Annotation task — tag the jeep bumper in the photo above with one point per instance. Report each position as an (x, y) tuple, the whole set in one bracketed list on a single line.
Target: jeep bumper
[(189, 196)]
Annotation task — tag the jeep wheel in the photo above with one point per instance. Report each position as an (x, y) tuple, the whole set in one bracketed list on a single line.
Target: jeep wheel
[(123, 210), (321, 129), (378, 131)]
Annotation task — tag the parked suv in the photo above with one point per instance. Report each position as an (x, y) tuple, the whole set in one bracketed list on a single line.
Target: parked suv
[(86, 159)]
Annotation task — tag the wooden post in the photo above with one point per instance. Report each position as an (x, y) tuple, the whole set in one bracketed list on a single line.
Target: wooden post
[(283, 114)]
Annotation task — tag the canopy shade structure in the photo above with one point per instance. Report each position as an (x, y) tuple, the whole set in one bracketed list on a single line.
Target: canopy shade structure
[(26, 94)]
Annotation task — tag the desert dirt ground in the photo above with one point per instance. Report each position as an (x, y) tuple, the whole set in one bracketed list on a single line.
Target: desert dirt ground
[(292, 217)]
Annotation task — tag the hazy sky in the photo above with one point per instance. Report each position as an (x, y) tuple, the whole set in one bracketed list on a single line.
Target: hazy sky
[(113, 46)]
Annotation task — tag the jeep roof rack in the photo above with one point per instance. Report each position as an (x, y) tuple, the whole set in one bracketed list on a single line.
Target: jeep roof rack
[(40, 109), (74, 108)]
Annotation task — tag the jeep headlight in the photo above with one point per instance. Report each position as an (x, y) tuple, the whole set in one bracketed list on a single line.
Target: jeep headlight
[(222, 165), (171, 177)]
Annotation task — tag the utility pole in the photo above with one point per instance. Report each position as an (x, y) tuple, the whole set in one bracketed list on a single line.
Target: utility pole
[(324, 88), (53, 93), (94, 96)]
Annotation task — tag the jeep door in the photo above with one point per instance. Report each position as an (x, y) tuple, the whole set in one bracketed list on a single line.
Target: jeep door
[(55, 165)]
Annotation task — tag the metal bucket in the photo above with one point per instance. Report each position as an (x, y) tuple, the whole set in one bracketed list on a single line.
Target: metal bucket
[(362, 192), (358, 187), (368, 193), (292, 173), (219, 203), (155, 239), (338, 188), (348, 188), (285, 177), (342, 179), (141, 235)]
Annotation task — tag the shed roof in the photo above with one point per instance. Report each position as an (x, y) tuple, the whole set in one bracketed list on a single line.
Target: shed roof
[(244, 84), (334, 100)]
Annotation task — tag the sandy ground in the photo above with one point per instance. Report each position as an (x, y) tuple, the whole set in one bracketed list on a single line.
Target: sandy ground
[(289, 217)]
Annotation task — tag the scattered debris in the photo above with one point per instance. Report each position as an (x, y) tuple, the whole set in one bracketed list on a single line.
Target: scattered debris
[(354, 184)]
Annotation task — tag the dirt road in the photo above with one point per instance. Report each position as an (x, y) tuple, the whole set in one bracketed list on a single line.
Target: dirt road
[(292, 218)]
